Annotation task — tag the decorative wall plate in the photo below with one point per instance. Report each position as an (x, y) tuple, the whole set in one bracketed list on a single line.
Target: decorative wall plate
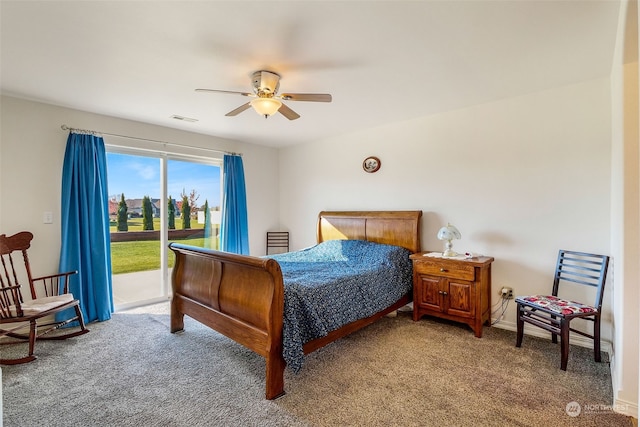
[(371, 164)]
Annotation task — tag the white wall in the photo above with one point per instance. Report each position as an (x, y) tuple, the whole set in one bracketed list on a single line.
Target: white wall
[(520, 178), (32, 152), (625, 244)]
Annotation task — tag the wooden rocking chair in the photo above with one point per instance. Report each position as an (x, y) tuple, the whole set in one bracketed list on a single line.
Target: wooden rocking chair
[(49, 295)]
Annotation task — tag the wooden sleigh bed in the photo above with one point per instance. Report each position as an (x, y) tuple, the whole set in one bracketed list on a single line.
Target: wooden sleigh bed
[(242, 297)]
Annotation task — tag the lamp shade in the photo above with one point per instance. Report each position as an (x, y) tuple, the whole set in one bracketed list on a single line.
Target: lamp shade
[(449, 233), (266, 106)]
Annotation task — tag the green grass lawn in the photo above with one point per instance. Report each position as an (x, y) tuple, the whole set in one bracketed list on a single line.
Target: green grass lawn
[(135, 224), (129, 257)]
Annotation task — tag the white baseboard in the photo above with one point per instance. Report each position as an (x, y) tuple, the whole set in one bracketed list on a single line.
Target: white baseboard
[(575, 339), (622, 406), (625, 408)]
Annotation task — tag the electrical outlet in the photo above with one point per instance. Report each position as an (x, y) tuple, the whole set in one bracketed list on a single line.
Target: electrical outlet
[(507, 293)]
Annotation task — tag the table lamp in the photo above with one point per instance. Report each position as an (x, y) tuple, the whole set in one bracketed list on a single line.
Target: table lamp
[(449, 233)]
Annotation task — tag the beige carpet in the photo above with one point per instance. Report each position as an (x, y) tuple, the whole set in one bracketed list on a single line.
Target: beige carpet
[(132, 371)]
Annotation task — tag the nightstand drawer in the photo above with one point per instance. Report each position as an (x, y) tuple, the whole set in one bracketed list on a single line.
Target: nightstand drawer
[(462, 272)]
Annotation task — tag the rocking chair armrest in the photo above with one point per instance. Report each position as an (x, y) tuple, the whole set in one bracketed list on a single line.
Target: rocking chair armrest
[(12, 296), (55, 278), (8, 288)]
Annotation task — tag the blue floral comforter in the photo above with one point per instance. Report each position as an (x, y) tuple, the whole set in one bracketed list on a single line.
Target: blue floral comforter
[(337, 282)]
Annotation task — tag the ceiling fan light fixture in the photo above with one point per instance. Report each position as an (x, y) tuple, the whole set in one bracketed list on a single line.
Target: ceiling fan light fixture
[(266, 106)]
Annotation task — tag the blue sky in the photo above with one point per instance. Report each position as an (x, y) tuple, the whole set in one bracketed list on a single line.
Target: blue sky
[(138, 176)]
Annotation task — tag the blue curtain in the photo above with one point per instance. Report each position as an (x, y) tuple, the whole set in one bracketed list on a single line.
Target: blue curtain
[(234, 231), (85, 225)]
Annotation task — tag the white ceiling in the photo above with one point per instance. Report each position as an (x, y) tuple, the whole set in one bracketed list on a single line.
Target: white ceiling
[(383, 61)]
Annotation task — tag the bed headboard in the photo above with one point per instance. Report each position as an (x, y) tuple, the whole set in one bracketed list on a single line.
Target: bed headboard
[(400, 228)]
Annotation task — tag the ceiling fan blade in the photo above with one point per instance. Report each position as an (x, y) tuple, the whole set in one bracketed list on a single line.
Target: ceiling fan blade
[(239, 110), (288, 112), (314, 97), (225, 91)]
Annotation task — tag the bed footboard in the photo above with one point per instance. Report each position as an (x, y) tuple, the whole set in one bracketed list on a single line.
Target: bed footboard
[(240, 296)]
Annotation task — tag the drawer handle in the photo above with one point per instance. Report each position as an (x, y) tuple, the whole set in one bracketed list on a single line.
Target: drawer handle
[(442, 292), (444, 270)]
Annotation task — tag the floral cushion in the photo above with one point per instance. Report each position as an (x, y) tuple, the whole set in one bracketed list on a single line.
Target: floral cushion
[(559, 305)]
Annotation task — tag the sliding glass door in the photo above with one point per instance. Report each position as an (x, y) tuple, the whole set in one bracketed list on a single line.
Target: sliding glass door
[(193, 204), (157, 198)]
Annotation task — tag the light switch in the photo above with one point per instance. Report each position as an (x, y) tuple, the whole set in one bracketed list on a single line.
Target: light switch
[(48, 218)]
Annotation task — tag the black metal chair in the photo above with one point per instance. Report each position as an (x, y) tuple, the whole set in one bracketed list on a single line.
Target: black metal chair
[(554, 314)]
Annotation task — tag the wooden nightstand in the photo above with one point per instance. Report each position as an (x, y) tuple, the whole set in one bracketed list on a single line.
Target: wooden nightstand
[(452, 288)]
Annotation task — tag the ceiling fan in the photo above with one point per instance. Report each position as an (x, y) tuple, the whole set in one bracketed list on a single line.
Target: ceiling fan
[(267, 101)]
